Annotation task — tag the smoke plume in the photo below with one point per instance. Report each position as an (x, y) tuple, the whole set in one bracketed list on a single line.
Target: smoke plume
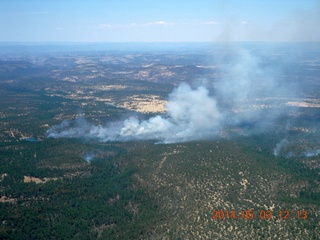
[(280, 145), (192, 113), (89, 157), (312, 153)]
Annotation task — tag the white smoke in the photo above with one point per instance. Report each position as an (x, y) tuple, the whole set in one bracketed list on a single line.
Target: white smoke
[(250, 90), (89, 157), (280, 145), (312, 153), (283, 147), (190, 114)]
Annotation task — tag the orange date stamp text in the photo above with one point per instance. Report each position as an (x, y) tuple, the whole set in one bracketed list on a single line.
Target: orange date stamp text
[(260, 214)]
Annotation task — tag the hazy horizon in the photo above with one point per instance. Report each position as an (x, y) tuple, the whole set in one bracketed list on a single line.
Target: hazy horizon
[(159, 21)]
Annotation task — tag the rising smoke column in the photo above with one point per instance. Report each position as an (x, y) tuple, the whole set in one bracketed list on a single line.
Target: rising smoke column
[(280, 145), (190, 114), (193, 114), (247, 80)]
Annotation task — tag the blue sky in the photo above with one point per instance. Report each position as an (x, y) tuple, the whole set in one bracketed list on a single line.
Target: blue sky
[(159, 21)]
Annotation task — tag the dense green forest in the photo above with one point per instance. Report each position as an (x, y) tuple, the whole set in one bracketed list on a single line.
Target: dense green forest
[(137, 190), (80, 201), (85, 188)]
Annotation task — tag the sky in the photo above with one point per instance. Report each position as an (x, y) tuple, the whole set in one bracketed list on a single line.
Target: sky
[(159, 20)]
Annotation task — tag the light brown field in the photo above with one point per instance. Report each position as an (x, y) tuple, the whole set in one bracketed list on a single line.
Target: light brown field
[(28, 179), (303, 104), (144, 104)]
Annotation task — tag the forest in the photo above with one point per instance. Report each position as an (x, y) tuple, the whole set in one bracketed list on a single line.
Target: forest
[(86, 188)]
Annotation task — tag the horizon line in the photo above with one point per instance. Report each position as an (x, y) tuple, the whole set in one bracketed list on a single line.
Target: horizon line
[(133, 42)]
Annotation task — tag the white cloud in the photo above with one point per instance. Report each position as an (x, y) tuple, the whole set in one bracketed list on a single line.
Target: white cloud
[(211, 23), (160, 23), (156, 23), (104, 26)]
